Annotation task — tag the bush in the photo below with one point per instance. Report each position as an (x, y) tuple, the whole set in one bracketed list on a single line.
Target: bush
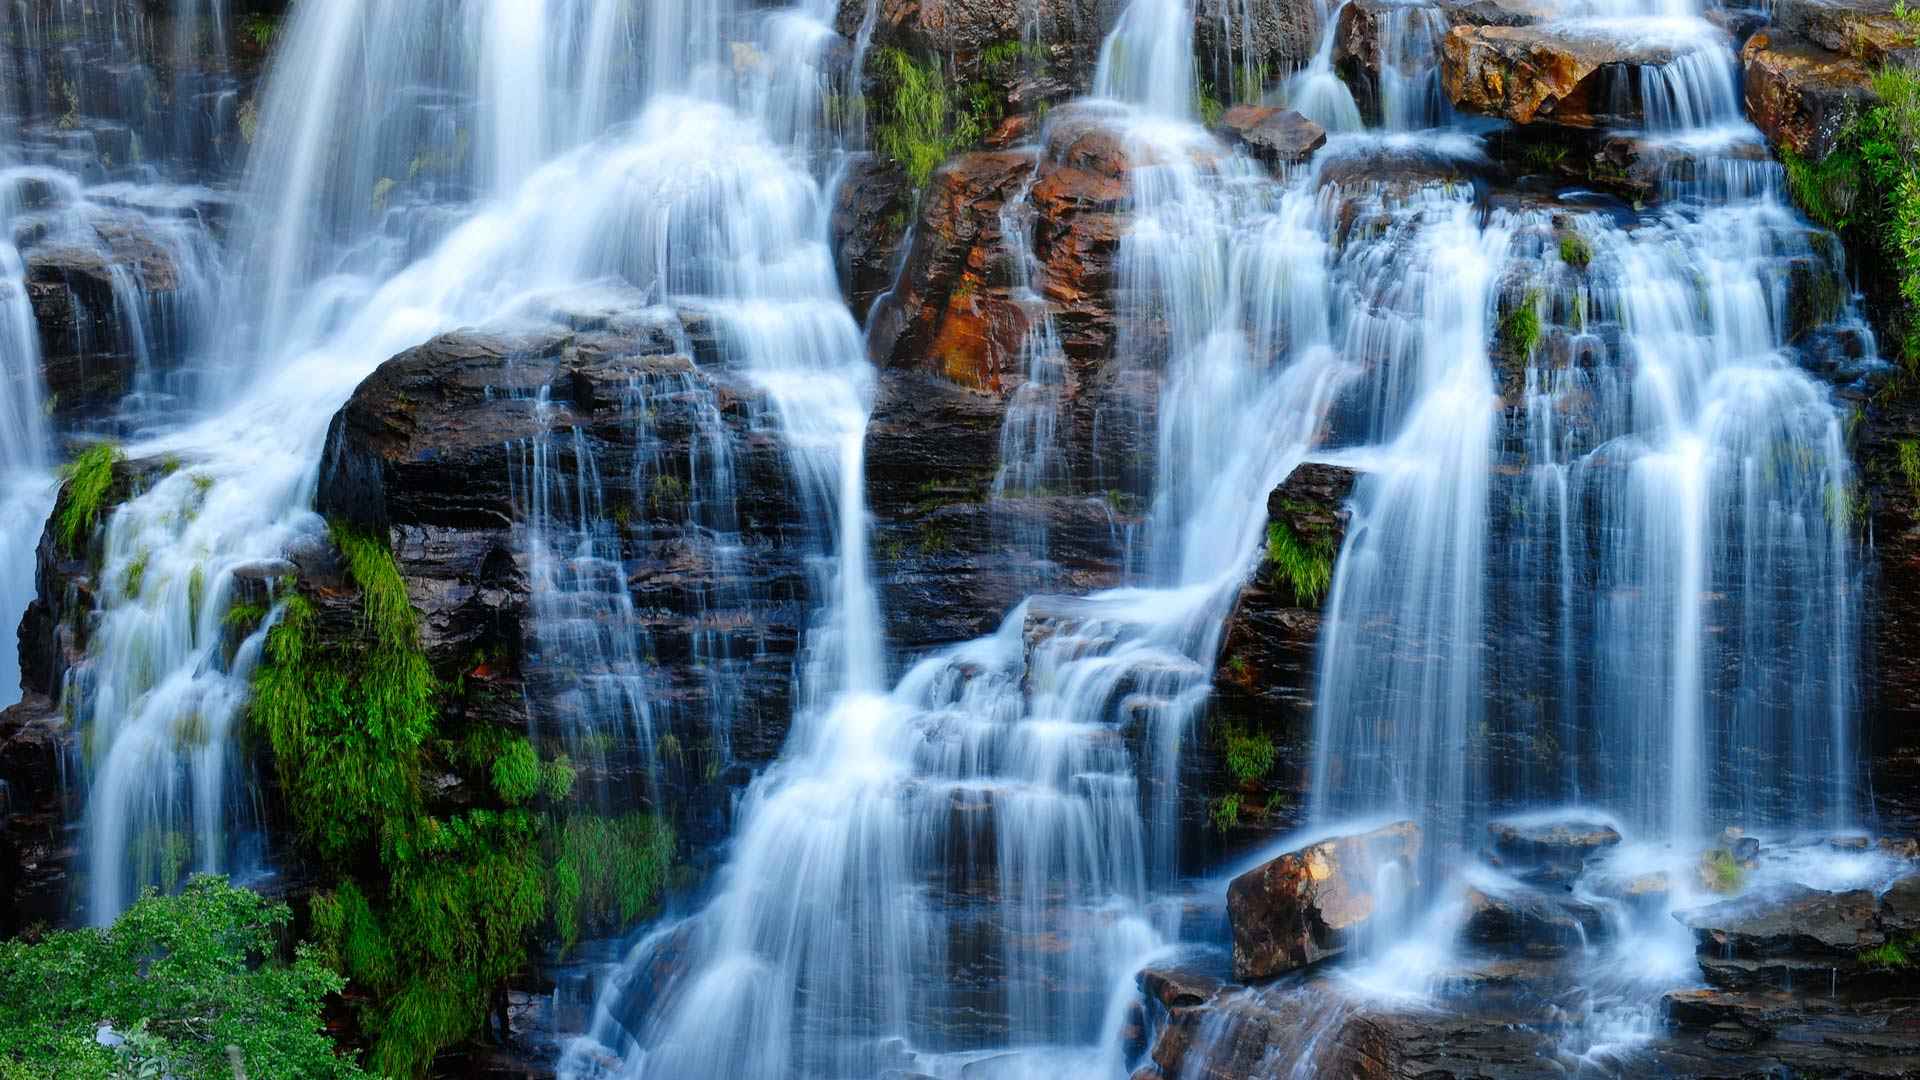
[(180, 979)]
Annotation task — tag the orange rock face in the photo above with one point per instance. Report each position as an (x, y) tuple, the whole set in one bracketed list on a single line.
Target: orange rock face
[(1308, 905), (1801, 96), (1530, 74)]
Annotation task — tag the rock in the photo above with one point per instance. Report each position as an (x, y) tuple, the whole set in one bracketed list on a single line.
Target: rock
[(1273, 135), (953, 313), (1274, 37), (1549, 74), (1864, 30), (1802, 97), (1532, 840), (1310, 904), (1265, 675), (872, 206), (1176, 987), (79, 293), (1024, 52), (1797, 920), (37, 846), (1531, 923)]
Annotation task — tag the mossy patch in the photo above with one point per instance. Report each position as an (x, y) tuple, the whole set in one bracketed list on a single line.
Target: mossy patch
[(1301, 563), (89, 478)]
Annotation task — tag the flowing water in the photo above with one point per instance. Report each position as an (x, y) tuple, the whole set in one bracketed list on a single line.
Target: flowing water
[(1606, 562)]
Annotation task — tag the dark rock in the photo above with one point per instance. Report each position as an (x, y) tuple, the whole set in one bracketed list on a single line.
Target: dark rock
[(1271, 36), (1531, 923), (37, 805), (1273, 135), (1308, 905), (1866, 30), (1794, 921), (872, 208)]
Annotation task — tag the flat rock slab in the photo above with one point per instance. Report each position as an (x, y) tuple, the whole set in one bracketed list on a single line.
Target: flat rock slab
[(1310, 904)]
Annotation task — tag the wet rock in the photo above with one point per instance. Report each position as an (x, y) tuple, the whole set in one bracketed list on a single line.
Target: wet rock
[(1177, 988), (1022, 52), (1528, 840), (1271, 36), (953, 312), (80, 294), (1547, 74), (1796, 920), (37, 845), (1264, 678), (1802, 96), (1273, 135), (1531, 923), (872, 208), (1308, 905)]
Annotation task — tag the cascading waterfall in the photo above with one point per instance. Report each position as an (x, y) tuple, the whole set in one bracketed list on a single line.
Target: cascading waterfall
[(384, 263), (1603, 516)]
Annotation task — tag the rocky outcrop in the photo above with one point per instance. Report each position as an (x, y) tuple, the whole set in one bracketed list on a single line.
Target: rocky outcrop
[(1799, 936), (1273, 135), (40, 798), (1534, 74), (872, 207), (1308, 905), (456, 449), (1801, 96), (1530, 923), (1264, 678), (1871, 31), (100, 301), (1269, 38)]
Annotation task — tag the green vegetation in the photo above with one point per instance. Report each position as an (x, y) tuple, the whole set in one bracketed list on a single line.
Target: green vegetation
[(1521, 330), (1893, 956), (136, 575), (606, 871), (922, 116), (88, 479), (666, 498), (1910, 465), (1575, 251), (1250, 757), (260, 30), (432, 909), (1225, 811), (1303, 564), (193, 983), (1721, 872), (1868, 190)]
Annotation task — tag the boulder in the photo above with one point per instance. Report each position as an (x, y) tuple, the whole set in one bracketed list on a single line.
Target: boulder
[(1801, 96), (1533, 840), (1275, 136), (1549, 73), (1530, 922), (1310, 904)]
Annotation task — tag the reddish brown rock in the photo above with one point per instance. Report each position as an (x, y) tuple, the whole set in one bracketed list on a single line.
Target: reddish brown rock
[(1274, 135), (1800, 95), (1536, 74), (1308, 905)]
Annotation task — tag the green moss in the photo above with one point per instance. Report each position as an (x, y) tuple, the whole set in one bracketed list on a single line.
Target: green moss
[(1521, 330), (1896, 955), (1303, 564), (607, 871), (135, 576), (1910, 465), (556, 778), (88, 479), (516, 773), (1224, 812), (1575, 251), (922, 119), (667, 497), (1250, 756), (1721, 872)]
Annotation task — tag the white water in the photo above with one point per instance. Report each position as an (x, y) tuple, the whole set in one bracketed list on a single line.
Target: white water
[(964, 871)]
